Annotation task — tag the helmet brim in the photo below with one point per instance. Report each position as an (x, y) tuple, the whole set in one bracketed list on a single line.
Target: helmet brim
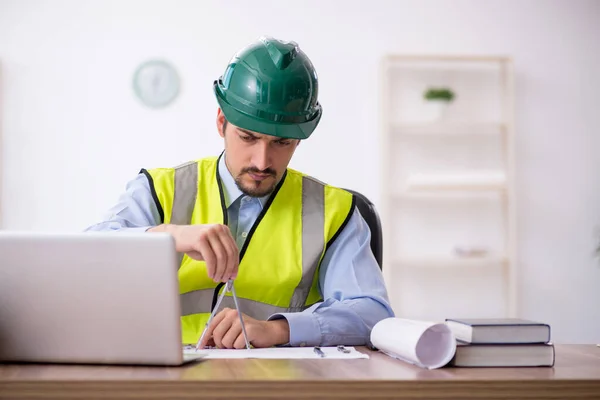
[(301, 130)]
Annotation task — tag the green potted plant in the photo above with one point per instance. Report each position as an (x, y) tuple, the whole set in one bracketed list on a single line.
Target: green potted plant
[(437, 100)]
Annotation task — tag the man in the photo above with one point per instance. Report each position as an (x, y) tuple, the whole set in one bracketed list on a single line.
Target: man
[(298, 249)]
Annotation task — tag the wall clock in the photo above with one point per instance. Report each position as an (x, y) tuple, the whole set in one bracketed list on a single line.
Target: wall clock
[(156, 83)]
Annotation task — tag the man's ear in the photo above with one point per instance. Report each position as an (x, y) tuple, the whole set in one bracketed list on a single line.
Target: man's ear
[(221, 123)]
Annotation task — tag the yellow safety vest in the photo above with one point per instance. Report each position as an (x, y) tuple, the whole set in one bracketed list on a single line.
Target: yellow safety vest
[(279, 261)]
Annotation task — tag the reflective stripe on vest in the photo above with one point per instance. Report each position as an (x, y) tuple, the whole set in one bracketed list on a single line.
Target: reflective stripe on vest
[(199, 301), (184, 197)]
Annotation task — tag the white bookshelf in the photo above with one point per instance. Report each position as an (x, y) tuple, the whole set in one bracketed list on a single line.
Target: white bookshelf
[(448, 209)]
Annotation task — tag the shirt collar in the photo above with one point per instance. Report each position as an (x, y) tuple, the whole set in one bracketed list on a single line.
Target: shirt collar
[(230, 189)]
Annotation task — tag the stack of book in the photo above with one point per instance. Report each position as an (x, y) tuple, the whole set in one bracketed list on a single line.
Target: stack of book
[(506, 342)]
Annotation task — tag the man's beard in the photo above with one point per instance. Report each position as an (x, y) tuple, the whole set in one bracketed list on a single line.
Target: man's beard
[(254, 189)]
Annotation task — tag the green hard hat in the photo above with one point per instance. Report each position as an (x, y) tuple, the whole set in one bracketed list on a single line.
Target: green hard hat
[(270, 87)]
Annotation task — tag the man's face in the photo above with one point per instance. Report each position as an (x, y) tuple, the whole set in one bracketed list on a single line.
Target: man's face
[(255, 160)]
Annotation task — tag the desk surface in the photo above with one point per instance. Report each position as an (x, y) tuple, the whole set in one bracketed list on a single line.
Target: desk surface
[(576, 375)]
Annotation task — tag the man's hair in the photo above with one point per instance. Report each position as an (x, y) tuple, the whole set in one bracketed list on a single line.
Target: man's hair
[(224, 124)]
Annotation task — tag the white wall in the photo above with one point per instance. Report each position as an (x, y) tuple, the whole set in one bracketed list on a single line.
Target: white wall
[(73, 133)]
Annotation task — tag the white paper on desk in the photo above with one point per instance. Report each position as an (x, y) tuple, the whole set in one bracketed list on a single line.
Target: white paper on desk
[(425, 344), (331, 353)]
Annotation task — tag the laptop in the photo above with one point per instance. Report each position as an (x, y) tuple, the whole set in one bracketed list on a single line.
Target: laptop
[(90, 298)]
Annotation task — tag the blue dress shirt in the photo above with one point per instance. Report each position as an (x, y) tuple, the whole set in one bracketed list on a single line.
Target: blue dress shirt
[(350, 281)]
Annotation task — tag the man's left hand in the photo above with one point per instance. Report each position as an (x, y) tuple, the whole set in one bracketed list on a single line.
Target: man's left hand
[(225, 331)]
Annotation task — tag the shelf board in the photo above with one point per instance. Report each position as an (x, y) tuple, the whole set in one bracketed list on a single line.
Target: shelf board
[(465, 187), (482, 181), (444, 61), (449, 129), (448, 195), (451, 262)]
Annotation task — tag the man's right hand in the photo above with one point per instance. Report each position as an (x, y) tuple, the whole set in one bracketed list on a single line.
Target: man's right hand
[(213, 244)]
